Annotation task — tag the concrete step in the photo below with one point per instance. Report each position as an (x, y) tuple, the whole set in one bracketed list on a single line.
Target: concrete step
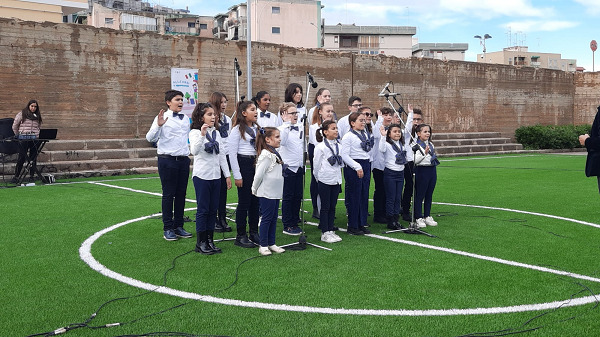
[(465, 135), (470, 141), (82, 155), (96, 144), (479, 148)]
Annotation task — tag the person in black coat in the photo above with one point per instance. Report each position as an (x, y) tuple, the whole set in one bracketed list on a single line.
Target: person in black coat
[(592, 144)]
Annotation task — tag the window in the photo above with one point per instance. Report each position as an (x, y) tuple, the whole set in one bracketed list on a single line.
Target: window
[(203, 26), (276, 30), (335, 39), (108, 21), (275, 10), (191, 25)]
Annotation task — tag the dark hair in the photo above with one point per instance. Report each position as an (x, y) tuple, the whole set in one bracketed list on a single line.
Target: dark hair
[(319, 93), (261, 138), (258, 97), (386, 111), (320, 135), (421, 126), (290, 91), (240, 119), (352, 99), (417, 111), (215, 100), (198, 115), (169, 95), (368, 125), (27, 114), (389, 132), (353, 117), (316, 118)]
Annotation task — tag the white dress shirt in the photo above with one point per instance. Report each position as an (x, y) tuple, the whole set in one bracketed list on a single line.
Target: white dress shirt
[(389, 155), (224, 148), (323, 171), (351, 150), (272, 121), (207, 166), (422, 159), (268, 178), (343, 126), (406, 136), (237, 145), (291, 149), (171, 137), (312, 134)]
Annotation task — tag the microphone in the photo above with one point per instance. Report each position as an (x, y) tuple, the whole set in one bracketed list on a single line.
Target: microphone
[(237, 66), (311, 80), (385, 88), (386, 95)]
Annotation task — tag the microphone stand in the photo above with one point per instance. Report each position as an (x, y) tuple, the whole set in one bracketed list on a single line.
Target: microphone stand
[(412, 227), (302, 242), (236, 75)]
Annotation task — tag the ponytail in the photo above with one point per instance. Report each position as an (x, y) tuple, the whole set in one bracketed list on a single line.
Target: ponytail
[(320, 135), (261, 138)]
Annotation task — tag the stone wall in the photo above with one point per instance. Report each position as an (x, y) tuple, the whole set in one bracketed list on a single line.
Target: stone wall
[(103, 83)]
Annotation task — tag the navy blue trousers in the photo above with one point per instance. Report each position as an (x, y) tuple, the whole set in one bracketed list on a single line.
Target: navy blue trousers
[(407, 195), (357, 196), (379, 195), (329, 196), (174, 175), (268, 222), (425, 180), (393, 180), (247, 207), (207, 203), (292, 197), (314, 187)]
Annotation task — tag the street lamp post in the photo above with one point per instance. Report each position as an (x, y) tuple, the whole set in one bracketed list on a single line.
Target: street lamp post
[(482, 42)]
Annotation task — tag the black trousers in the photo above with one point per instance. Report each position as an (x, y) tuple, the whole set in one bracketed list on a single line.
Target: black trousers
[(378, 195), (408, 187), (247, 208)]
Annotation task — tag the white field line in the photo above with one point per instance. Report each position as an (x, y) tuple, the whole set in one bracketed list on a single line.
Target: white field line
[(86, 256)]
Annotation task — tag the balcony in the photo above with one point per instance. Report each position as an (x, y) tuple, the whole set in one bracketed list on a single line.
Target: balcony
[(181, 30), (137, 26)]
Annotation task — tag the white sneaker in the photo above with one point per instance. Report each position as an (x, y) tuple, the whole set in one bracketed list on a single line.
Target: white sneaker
[(276, 249), (326, 237), (430, 222), (264, 251), (336, 237), (421, 223)]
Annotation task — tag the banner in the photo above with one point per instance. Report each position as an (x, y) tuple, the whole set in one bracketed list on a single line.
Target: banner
[(186, 81)]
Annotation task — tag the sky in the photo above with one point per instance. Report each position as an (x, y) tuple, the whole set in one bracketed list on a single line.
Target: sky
[(546, 26)]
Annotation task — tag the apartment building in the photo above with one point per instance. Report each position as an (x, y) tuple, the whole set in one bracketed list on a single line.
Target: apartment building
[(295, 23), (370, 40), (521, 56), (42, 10), (441, 51)]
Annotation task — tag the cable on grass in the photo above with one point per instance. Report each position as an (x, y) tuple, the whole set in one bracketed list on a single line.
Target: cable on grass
[(523, 328), (86, 323)]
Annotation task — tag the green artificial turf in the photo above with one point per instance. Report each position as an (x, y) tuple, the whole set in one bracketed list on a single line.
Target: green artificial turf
[(45, 284)]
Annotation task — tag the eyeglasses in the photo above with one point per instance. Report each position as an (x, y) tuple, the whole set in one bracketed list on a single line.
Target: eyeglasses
[(292, 113), (356, 105)]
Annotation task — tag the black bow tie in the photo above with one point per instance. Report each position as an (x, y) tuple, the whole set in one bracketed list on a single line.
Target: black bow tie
[(335, 159), (178, 115), (293, 127), (211, 146), (265, 114)]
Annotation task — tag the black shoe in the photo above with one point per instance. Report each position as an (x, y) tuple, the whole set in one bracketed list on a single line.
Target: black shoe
[(211, 243), (222, 226), (182, 233), (254, 237), (355, 231), (242, 241), (379, 219), (406, 217), (364, 230), (396, 219), (336, 228), (202, 246)]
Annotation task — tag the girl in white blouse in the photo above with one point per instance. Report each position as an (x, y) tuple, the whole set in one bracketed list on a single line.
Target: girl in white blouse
[(393, 154), (324, 112), (327, 170), (209, 164), (223, 125), (268, 187), (425, 176)]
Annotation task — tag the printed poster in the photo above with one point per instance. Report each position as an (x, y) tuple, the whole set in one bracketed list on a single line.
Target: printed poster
[(186, 81)]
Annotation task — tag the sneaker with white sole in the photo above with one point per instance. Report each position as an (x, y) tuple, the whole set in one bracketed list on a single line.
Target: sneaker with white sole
[(421, 223), (276, 249), (264, 251), (326, 237), (336, 237), (430, 222)]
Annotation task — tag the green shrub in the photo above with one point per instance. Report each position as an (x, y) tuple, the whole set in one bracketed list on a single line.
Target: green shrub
[(538, 137)]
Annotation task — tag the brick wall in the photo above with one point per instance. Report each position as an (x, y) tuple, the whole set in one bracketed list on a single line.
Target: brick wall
[(102, 83)]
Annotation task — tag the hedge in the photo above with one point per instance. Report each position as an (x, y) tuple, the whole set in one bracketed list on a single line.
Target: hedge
[(538, 137)]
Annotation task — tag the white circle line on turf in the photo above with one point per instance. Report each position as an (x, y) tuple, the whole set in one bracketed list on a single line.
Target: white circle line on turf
[(87, 257)]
